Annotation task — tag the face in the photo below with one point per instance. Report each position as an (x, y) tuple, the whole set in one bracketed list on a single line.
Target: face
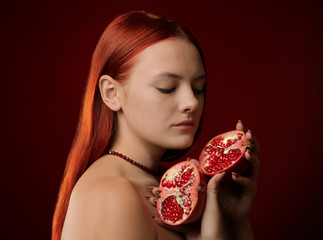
[(164, 95)]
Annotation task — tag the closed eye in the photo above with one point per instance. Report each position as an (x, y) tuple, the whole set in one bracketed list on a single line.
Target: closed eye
[(166, 90), (199, 90)]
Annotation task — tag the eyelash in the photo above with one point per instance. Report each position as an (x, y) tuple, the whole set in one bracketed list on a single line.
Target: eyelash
[(166, 90), (197, 91), (170, 90)]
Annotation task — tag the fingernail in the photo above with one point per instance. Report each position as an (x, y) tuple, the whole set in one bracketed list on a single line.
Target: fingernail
[(239, 121), (235, 175), (150, 188), (248, 151), (147, 197), (220, 177), (250, 131), (188, 159)]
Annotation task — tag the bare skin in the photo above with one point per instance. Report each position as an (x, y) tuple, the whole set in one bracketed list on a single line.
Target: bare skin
[(165, 88), (109, 203), (111, 180), (227, 210)]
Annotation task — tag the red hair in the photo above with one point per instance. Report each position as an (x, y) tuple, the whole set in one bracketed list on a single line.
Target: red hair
[(127, 35)]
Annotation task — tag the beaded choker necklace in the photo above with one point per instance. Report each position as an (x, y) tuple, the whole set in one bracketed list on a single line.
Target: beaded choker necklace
[(146, 169)]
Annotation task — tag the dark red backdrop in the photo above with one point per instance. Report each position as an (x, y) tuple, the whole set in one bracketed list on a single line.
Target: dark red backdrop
[(263, 67)]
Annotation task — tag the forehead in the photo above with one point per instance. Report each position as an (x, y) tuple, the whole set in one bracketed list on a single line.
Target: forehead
[(173, 55)]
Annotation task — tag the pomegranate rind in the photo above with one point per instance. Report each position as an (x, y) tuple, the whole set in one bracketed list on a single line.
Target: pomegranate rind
[(186, 199), (224, 153)]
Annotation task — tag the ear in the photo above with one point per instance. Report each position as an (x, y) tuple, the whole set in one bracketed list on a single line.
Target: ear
[(110, 92)]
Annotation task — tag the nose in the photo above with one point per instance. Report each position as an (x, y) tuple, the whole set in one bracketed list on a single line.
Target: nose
[(189, 102)]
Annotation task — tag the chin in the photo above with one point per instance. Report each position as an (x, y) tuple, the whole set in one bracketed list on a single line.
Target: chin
[(182, 145), (176, 142)]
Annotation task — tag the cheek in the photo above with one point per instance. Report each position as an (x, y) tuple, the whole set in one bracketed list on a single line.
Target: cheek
[(147, 110)]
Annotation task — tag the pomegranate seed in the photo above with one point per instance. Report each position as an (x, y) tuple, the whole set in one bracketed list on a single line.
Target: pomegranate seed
[(171, 210), (164, 182), (173, 183)]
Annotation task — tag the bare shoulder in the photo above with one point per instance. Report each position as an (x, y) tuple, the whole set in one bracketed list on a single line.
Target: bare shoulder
[(107, 208)]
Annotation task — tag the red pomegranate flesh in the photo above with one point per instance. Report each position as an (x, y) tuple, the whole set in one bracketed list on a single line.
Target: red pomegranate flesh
[(182, 194), (225, 152)]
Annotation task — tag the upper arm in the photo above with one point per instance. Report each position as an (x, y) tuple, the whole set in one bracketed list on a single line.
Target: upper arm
[(107, 210)]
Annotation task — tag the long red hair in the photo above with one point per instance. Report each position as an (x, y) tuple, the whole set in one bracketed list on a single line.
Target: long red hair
[(120, 42)]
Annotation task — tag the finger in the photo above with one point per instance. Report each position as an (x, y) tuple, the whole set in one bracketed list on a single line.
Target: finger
[(243, 181), (197, 163), (215, 182), (252, 138), (255, 163), (249, 185), (240, 126), (154, 190), (151, 200)]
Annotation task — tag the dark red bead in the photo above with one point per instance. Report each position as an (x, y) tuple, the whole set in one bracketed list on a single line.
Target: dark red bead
[(151, 171)]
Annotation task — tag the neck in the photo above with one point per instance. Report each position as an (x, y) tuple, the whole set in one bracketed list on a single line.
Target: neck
[(143, 153)]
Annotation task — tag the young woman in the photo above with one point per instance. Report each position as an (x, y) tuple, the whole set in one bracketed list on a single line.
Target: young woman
[(143, 103)]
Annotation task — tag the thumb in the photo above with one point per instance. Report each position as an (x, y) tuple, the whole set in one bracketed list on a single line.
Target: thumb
[(212, 221), (197, 163), (215, 182)]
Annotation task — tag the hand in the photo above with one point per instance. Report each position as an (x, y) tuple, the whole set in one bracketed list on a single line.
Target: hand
[(229, 202), (190, 231), (211, 224), (237, 198)]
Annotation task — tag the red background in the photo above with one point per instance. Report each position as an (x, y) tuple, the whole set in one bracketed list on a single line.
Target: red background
[(263, 65)]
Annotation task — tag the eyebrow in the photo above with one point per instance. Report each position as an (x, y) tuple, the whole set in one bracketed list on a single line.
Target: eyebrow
[(176, 76)]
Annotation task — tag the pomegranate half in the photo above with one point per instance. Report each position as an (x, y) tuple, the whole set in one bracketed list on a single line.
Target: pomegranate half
[(182, 194), (225, 152)]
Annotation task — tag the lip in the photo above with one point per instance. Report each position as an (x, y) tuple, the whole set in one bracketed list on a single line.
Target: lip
[(186, 124)]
